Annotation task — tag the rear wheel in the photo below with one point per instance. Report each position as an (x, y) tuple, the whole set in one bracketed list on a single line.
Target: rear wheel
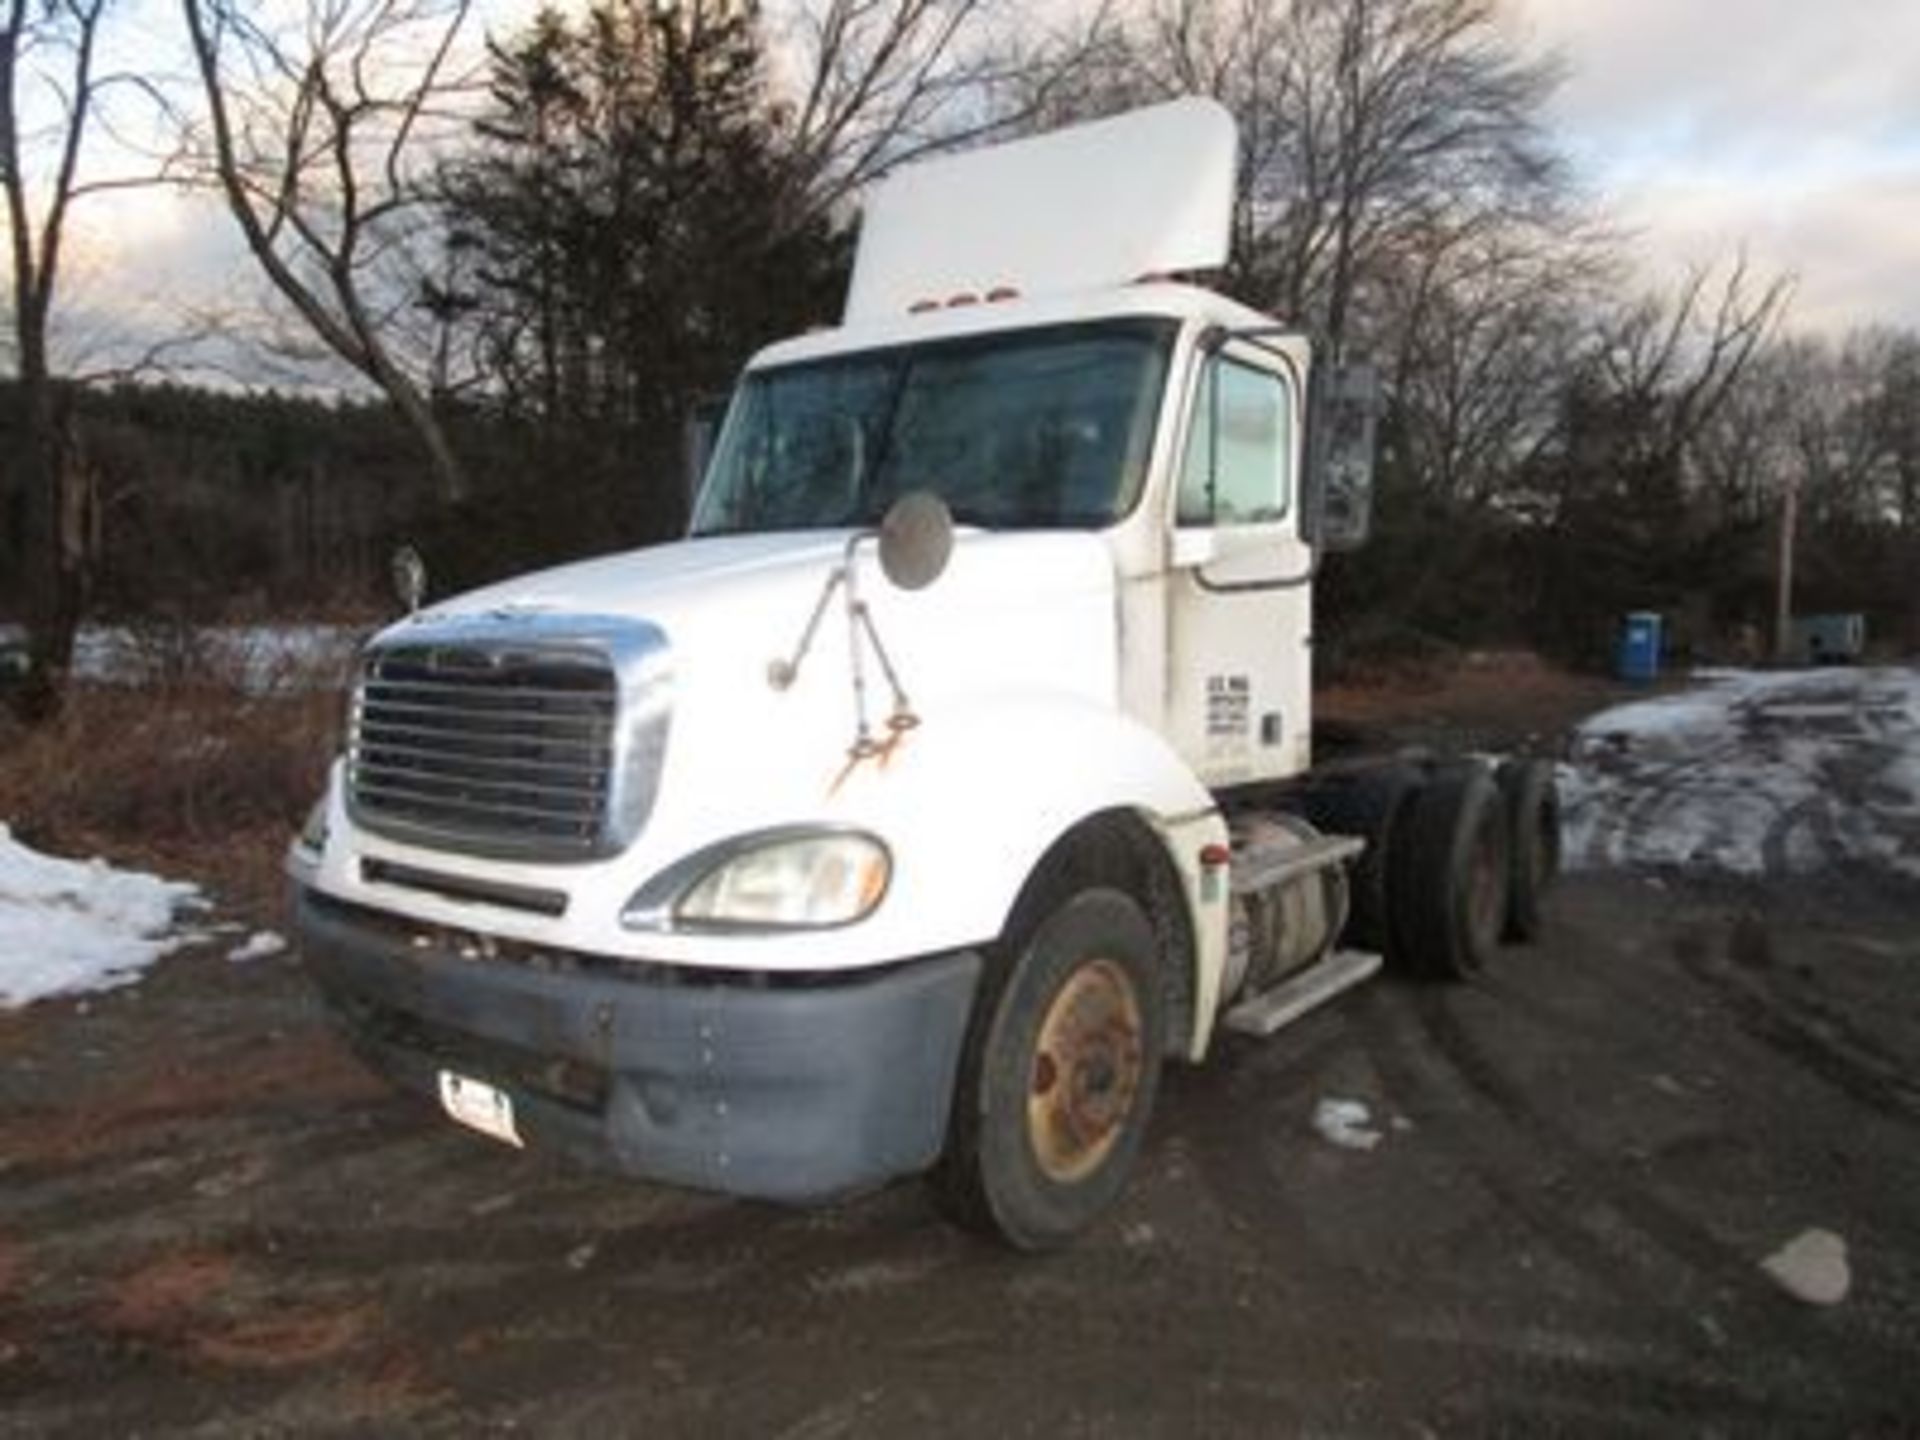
[(1059, 1077), (1450, 874), (1370, 804), (1533, 822)]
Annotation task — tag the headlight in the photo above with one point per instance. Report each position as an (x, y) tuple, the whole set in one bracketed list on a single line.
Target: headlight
[(806, 880)]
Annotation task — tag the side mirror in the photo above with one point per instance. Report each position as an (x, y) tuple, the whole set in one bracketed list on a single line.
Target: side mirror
[(916, 540), (699, 433), (1344, 415), (409, 578)]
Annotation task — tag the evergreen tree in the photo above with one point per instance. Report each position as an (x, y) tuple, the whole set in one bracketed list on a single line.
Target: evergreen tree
[(628, 210)]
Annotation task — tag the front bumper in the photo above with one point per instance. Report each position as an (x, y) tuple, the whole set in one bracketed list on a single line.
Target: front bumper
[(792, 1090)]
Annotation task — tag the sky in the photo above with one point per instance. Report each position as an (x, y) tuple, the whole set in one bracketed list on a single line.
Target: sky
[(1698, 127), (1787, 127)]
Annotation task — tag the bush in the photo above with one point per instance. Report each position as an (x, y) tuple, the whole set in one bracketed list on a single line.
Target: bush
[(205, 782)]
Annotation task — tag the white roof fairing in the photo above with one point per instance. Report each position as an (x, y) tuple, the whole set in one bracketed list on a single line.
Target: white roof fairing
[(1088, 207)]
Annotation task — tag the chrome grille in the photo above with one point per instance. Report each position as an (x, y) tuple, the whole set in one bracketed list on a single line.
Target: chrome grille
[(491, 748)]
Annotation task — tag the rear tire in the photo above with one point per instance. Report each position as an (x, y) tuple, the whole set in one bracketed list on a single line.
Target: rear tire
[(1533, 823), (1450, 873), (1059, 1076), (1370, 804)]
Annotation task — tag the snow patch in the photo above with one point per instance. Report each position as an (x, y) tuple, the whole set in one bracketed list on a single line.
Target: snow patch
[(68, 927), (1812, 1267), (260, 658), (258, 946), (1752, 773), (1346, 1123)]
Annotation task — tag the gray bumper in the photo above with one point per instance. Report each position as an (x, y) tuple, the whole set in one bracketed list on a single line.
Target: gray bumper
[(787, 1091)]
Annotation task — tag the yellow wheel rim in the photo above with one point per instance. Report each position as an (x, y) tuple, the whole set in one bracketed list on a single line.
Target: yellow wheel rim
[(1086, 1071)]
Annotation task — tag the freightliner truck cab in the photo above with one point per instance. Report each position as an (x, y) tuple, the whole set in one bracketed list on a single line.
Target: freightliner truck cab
[(952, 773)]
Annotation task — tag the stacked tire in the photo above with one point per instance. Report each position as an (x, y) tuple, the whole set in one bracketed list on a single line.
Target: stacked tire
[(1459, 857)]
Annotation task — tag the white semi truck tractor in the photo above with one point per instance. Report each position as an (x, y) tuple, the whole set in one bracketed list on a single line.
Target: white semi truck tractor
[(953, 774)]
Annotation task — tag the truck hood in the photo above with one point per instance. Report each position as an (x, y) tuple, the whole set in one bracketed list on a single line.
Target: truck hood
[(656, 583), (1020, 619), (759, 590)]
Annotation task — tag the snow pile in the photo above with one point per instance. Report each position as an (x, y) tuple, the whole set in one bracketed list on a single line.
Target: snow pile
[(261, 945), (1346, 1123), (67, 927), (1752, 773)]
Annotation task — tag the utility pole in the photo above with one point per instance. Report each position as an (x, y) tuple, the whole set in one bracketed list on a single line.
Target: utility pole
[(1783, 603)]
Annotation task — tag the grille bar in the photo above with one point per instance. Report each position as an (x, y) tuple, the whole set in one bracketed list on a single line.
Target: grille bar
[(474, 805), (518, 743), (396, 753), (574, 797), (468, 688), (455, 716)]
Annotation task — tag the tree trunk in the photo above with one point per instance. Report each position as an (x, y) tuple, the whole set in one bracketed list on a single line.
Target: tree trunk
[(52, 590), (450, 477)]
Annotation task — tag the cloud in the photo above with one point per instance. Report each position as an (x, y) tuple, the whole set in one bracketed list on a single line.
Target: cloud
[(1790, 129), (162, 275), (1849, 247), (1759, 75)]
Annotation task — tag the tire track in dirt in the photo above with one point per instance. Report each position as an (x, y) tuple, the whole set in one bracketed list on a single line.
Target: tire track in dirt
[(1575, 1368), (1538, 1195), (1717, 1288), (1802, 1029), (1240, 1177), (1493, 1088), (1244, 1183), (1836, 858), (1636, 1352)]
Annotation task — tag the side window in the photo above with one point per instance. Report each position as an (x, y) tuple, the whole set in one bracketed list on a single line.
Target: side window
[(1238, 445)]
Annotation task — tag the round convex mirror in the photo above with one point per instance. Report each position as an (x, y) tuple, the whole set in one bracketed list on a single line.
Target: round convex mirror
[(916, 540)]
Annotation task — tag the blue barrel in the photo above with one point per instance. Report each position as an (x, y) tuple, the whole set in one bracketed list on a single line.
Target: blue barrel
[(1639, 657)]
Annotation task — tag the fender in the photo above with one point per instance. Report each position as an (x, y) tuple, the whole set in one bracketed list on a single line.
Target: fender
[(1001, 784)]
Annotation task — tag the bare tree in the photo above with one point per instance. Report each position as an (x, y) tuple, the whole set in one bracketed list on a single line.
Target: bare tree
[(53, 46), (881, 82), (1747, 451), (1488, 320), (318, 134), (1670, 363), (1363, 122)]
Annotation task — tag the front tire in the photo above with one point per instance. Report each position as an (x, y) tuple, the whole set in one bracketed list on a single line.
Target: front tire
[(1059, 1077)]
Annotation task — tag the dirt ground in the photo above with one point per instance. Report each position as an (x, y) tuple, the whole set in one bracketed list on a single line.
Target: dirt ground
[(212, 1223)]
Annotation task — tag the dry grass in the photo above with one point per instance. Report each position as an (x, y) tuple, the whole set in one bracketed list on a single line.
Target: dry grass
[(201, 782), (1495, 691)]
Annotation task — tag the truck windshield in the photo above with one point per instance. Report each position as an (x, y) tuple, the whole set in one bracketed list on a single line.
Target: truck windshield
[(1037, 428)]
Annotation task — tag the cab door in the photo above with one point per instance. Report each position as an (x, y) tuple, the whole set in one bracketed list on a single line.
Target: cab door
[(1239, 577)]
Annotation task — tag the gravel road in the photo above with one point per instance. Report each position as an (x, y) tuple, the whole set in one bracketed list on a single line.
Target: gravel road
[(212, 1223)]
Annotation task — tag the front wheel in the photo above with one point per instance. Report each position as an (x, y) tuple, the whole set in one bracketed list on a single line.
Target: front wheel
[(1059, 1077)]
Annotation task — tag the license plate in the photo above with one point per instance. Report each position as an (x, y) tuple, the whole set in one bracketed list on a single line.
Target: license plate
[(479, 1106)]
